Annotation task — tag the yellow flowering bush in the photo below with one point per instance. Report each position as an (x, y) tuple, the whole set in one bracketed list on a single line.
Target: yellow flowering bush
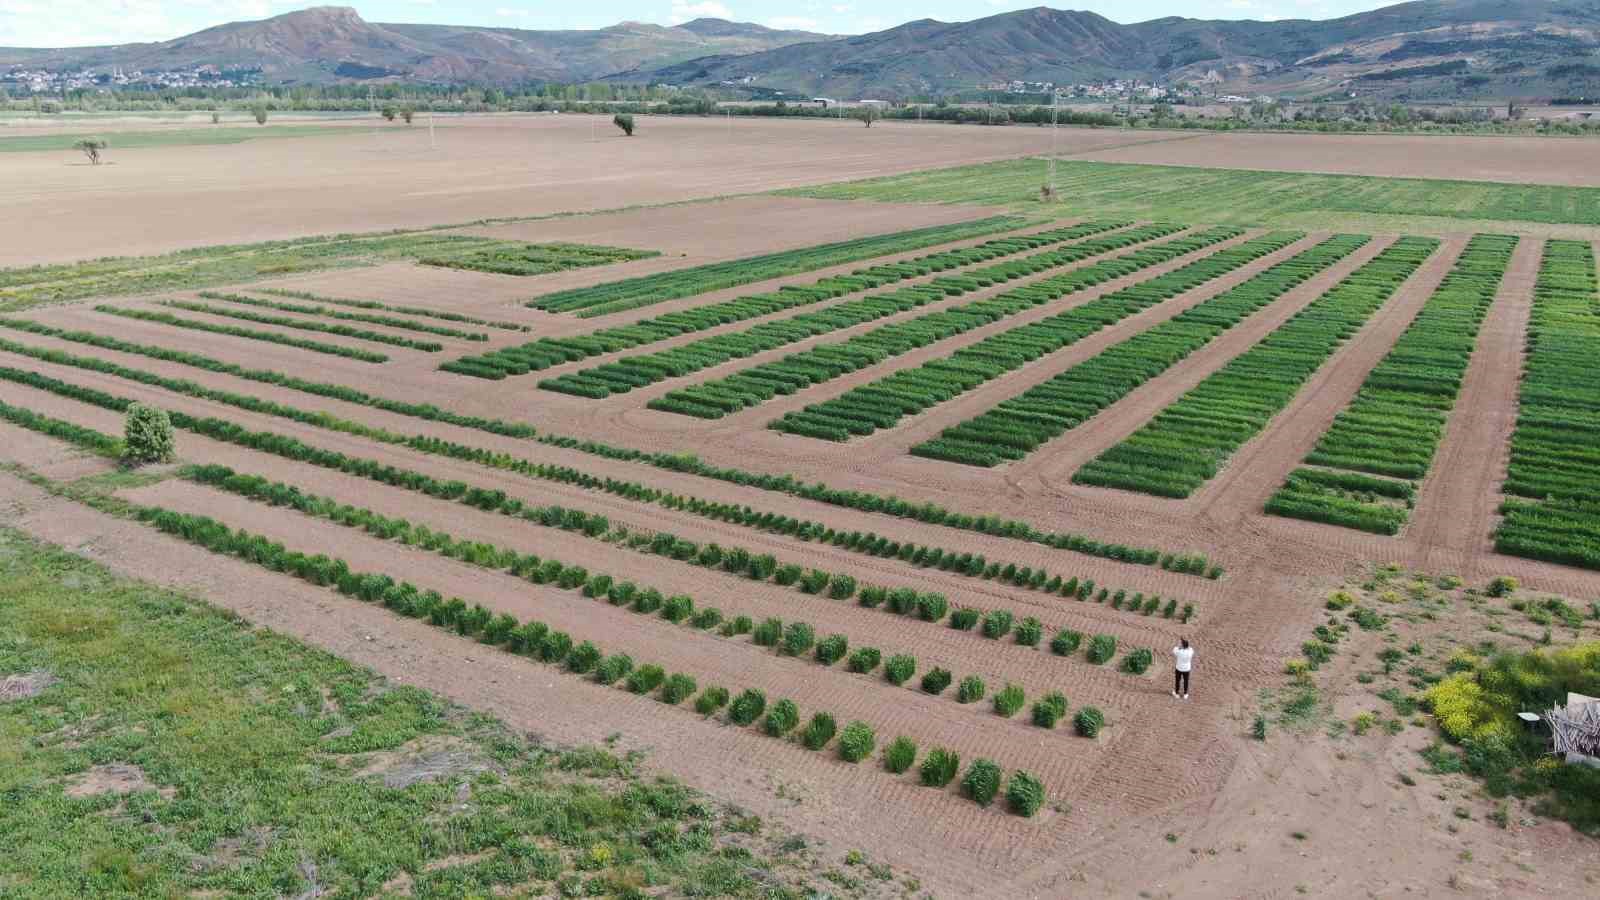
[(1466, 710)]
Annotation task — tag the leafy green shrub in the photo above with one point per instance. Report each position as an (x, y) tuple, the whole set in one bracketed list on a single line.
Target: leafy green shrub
[(1049, 710), (900, 754), (842, 587), (971, 690), (798, 639), (583, 658), (787, 574), (740, 625), (872, 596), (781, 718), (1137, 661), (623, 121), (1503, 586), (936, 680), (768, 633), (982, 782), (707, 618), (964, 619), (815, 581), (1024, 794), (1101, 648), (932, 607), (678, 688), (1029, 632), (555, 646), (1009, 700), (939, 767), (147, 436), (865, 659), (747, 707), (819, 731), (856, 742), (648, 601), (678, 607), (646, 678), (899, 668), (1066, 642), (710, 700), (832, 648), (1089, 721), (997, 624)]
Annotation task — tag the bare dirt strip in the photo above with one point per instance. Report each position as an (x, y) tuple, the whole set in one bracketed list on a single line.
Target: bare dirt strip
[(1053, 463), (1455, 510)]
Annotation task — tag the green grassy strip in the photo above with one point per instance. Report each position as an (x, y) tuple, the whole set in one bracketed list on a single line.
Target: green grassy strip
[(87, 438), (359, 334), (1186, 193), (509, 258), (1016, 427), (1186, 444), (1190, 563), (638, 371), (646, 290), (1393, 426), (250, 795), (1555, 448), (884, 402), (546, 352), (271, 337), (395, 308), (179, 137), (823, 362), (317, 310)]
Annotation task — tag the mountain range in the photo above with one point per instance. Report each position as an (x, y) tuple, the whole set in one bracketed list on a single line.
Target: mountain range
[(1431, 49)]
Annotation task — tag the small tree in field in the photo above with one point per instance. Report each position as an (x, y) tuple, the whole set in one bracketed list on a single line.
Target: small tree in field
[(869, 114), (260, 112), (625, 122), (146, 436), (216, 118), (389, 112), (91, 148), (406, 112)]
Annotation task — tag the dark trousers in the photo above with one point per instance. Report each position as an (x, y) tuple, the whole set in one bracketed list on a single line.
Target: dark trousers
[(1180, 681)]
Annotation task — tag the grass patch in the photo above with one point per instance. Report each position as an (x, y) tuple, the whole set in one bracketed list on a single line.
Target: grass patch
[(241, 753), (176, 137)]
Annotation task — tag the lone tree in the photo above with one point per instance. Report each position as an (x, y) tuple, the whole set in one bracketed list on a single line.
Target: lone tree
[(215, 118), (389, 112), (625, 122), (869, 114), (406, 112), (91, 148), (260, 112), (146, 436)]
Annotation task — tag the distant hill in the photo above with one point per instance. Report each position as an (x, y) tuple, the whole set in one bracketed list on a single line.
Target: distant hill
[(333, 43), (1423, 50), (1433, 49)]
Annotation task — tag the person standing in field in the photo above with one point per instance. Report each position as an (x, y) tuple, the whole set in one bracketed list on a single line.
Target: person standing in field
[(1183, 658)]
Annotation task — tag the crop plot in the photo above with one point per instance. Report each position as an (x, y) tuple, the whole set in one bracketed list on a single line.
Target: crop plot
[(1366, 468)]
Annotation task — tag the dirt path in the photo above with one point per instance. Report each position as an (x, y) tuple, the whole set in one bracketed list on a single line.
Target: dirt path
[(1456, 508)]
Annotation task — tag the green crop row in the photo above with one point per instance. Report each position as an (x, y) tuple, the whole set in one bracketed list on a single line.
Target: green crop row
[(884, 402), (1392, 427), (645, 290), (395, 308), (1187, 563), (511, 258), (206, 363), (1555, 449), (546, 352), (539, 642), (1018, 426), (638, 371), (87, 438), (271, 337), (1186, 444), (825, 362), (360, 334), (368, 318)]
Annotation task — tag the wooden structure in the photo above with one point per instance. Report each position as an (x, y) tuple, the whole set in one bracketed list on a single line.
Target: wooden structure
[(1576, 729)]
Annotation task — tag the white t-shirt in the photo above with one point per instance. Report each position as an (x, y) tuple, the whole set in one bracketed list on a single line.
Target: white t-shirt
[(1185, 658)]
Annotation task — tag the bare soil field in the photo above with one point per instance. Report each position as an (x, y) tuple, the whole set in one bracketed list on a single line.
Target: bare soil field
[(1518, 160), (1175, 798)]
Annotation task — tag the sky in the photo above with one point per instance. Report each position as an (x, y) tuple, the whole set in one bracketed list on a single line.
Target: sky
[(70, 23)]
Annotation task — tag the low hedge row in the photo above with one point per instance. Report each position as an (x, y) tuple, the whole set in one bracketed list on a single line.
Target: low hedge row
[(391, 307), (358, 334), (270, 337), (367, 318)]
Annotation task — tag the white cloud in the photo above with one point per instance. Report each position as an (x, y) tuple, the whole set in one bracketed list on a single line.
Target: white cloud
[(792, 23), (683, 11)]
